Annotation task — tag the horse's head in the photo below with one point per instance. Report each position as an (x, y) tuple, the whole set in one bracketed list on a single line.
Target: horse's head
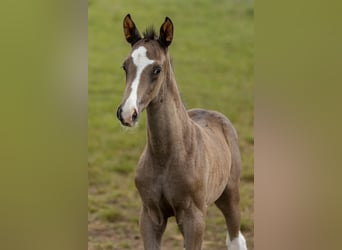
[(146, 68)]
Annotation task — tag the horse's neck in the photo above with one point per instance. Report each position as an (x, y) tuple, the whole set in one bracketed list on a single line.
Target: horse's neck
[(168, 123)]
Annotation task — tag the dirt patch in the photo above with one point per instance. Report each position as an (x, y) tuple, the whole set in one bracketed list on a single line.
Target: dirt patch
[(125, 235)]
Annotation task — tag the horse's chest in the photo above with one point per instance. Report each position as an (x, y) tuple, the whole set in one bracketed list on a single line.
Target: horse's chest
[(167, 187)]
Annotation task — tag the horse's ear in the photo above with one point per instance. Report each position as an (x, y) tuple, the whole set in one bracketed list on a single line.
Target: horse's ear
[(130, 30), (166, 32)]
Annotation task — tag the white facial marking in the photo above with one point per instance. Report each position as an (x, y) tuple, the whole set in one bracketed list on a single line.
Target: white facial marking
[(238, 243), (141, 61)]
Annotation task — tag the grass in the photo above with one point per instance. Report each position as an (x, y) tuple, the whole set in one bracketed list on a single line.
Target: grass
[(213, 55)]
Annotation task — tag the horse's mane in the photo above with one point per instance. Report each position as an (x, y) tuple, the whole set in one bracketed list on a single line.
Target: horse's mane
[(150, 33)]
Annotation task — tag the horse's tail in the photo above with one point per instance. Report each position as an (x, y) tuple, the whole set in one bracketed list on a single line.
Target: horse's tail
[(231, 137)]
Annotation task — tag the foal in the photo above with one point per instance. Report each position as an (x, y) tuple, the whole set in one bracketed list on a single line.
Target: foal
[(191, 158)]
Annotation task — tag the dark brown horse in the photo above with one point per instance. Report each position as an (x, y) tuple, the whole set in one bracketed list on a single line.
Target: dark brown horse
[(191, 158)]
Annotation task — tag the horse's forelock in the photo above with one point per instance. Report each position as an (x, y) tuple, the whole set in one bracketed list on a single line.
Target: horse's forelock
[(150, 34)]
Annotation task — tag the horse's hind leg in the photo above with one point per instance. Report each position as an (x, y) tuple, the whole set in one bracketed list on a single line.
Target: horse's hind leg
[(228, 203)]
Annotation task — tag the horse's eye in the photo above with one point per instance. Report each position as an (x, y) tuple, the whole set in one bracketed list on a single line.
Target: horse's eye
[(124, 67), (156, 70)]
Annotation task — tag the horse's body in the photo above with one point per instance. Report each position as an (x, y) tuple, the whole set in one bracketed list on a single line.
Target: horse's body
[(191, 158)]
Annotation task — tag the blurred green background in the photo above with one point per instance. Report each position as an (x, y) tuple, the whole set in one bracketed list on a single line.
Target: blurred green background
[(213, 57), (43, 110)]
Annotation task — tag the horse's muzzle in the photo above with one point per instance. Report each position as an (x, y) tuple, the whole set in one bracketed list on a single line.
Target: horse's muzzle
[(129, 120)]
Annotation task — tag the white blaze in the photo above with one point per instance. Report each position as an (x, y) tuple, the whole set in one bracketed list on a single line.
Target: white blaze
[(141, 61)]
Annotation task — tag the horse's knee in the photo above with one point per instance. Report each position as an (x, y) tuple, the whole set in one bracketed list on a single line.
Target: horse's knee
[(191, 223), (150, 227)]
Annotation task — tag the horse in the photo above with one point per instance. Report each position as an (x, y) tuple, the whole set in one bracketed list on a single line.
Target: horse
[(191, 158)]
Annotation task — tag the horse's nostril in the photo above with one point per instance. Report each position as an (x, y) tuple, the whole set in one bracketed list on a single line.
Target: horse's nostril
[(134, 116), (118, 113)]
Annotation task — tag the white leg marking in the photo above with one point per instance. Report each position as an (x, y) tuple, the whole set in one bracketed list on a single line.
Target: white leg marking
[(141, 61), (238, 243)]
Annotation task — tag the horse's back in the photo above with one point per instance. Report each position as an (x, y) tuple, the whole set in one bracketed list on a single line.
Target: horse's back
[(218, 126), (213, 121)]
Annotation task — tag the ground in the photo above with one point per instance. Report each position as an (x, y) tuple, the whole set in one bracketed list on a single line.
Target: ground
[(213, 55)]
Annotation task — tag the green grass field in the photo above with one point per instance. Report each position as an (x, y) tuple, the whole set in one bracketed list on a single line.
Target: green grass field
[(213, 55)]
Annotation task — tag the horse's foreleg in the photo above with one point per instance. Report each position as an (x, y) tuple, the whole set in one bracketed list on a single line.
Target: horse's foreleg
[(151, 230), (191, 222)]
